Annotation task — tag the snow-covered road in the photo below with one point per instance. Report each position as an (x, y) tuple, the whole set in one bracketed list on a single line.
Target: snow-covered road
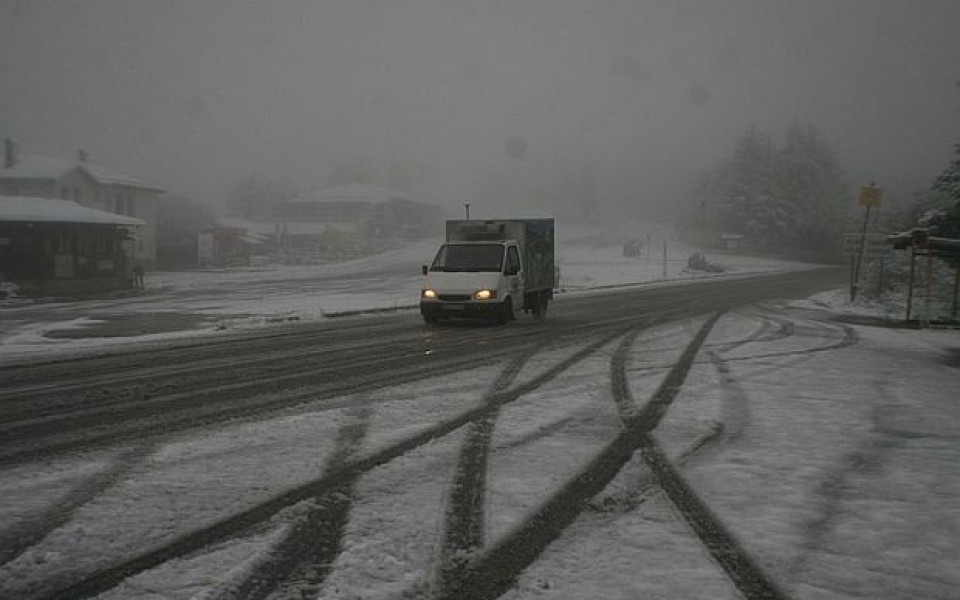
[(789, 455), (178, 305), (825, 450)]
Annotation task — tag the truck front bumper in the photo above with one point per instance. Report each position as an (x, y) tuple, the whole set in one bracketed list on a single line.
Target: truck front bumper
[(470, 310)]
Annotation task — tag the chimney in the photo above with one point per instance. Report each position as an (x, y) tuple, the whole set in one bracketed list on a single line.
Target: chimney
[(9, 153), (82, 155)]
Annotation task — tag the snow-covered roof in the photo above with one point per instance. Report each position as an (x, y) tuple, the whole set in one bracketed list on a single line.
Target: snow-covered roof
[(108, 177), (23, 209), (319, 228), (251, 227), (269, 228), (353, 192), (43, 168)]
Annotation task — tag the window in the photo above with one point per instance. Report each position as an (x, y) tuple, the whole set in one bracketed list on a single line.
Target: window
[(64, 193), (469, 257), (131, 205), (513, 261)]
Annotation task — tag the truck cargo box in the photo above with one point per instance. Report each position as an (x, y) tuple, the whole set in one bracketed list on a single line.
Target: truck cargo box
[(535, 238)]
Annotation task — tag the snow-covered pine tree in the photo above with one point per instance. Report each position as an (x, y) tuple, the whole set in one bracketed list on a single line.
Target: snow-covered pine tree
[(810, 181), (746, 192), (948, 183)]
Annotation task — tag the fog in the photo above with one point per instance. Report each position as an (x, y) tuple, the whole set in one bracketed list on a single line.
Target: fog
[(492, 102)]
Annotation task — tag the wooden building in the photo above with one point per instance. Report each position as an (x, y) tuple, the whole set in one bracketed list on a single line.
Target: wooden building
[(57, 247)]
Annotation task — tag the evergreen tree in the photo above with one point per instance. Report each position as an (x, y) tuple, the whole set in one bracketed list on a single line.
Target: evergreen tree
[(949, 181), (786, 199), (810, 182), (946, 223), (746, 192), (917, 211)]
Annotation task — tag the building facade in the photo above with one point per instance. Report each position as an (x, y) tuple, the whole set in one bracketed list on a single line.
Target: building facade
[(89, 185), (57, 247)]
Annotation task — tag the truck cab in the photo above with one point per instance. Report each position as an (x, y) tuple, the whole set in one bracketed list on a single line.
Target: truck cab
[(480, 272)]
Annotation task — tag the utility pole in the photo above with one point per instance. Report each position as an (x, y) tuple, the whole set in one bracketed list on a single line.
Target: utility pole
[(913, 267), (956, 288), (929, 286), (664, 258)]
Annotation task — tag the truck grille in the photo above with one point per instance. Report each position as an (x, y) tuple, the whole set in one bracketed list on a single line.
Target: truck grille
[(454, 297)]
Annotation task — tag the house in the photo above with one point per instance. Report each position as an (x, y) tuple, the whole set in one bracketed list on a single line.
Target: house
[(88, 185), (356, 219), (227, 244), (351, 203), (323, 225), (231, 242), (56, 247), (375, 212)]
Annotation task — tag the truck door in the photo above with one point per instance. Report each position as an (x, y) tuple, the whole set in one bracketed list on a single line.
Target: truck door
[(513, 273)]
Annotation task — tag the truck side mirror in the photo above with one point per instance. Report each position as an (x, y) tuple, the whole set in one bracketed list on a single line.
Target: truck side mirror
[(425, 269)]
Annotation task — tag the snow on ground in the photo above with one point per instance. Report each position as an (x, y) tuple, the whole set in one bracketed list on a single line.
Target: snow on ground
[(833, 465), (829, 450), (178, 305)]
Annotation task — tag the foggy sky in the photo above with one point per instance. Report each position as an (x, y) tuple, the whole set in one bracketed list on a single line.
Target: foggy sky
[(482, 99)]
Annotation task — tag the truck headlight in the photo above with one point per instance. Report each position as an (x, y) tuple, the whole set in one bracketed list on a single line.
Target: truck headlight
[(485, 294), (428, 293)]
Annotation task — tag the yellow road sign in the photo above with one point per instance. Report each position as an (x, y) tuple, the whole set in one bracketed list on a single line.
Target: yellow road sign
[(870, 195)]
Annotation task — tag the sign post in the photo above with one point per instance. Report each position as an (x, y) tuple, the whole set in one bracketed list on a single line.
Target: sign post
[(870, 196), (913, 267)]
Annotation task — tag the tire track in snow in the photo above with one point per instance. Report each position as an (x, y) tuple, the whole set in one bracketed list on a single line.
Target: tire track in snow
[(296, 565), (764, 333), (725, 549), (868, 458), (176, 413), (106, 578), (492, 573), (735, 409), (848, 338), (65, 372), (16, 540), (190, 411), (465, 519)]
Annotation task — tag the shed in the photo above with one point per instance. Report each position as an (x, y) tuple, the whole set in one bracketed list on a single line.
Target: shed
[(59, 247)]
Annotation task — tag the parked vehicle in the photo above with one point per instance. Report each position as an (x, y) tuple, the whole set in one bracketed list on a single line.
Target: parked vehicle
[(491, 269), (633, 248)]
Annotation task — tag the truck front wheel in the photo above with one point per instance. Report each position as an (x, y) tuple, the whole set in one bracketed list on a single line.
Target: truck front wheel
[(505, 312)]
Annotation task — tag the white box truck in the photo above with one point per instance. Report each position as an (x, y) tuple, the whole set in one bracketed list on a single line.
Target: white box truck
[(491, 269)]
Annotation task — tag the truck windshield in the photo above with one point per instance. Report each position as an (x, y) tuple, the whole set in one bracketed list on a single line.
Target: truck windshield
[(472, 257)]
